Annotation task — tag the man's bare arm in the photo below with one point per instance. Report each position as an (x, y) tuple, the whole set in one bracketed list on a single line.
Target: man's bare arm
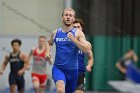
[(51, 39), (90, 61), (29, 57), (135, 57), (4, 64), (123, 70), (24, 58), (50, 61), (30, 54), (80, 41), (48, 51)]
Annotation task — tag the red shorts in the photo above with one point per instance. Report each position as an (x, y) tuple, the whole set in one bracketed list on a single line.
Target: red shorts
[(42, 78)]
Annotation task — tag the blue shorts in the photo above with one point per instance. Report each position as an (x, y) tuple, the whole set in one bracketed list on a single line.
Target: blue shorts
[(68, 76), (17, 80)]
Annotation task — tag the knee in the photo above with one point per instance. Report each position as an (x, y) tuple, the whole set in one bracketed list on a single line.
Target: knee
[(79, 91), (60, 90), (21, 91), (60, 86), (12, 91), (36, 86)]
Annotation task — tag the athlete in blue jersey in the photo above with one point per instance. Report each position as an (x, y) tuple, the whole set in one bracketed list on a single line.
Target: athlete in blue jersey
[(68, 41), (18, 65), (129, 56), (78, 23)]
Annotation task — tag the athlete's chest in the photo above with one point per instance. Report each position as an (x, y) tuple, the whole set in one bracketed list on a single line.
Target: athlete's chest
[(39, 59), (14, 60), (62, 39)]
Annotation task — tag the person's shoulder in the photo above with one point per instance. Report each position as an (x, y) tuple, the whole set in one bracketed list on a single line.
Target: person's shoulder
[(7, 56), (55, 31), (34, 48), (79, 33), (22, 53), (78, 30)]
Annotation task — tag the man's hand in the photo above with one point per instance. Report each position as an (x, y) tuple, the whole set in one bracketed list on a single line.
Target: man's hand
[(70, 36), (124, 71), (20, 72), (88, 68), (29, 66), (48, 57)]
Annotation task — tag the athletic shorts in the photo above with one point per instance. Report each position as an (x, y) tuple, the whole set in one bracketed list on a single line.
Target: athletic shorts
[(68, 76), (81, 82), (17, 80), (42, 78)]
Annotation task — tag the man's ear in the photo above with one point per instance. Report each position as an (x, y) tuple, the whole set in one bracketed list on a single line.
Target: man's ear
[(62, 18), (73, 19)]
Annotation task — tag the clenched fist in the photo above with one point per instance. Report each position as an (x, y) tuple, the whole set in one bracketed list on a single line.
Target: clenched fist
[(70, 36), (88, 68)]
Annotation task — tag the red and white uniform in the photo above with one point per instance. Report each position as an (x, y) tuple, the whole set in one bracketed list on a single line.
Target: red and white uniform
[(39, 66)]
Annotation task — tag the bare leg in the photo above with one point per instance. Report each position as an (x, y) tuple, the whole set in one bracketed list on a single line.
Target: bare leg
[(42, 87), (60, 86), (13, 88), (42, 90), (36, 84), (79, 91), (21, 91)]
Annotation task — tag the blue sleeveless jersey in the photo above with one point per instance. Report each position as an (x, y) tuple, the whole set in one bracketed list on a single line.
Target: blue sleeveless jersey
[(66, 51), (81, 62)]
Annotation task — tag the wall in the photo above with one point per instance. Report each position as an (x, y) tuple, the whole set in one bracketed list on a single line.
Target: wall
[(25, 17)]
